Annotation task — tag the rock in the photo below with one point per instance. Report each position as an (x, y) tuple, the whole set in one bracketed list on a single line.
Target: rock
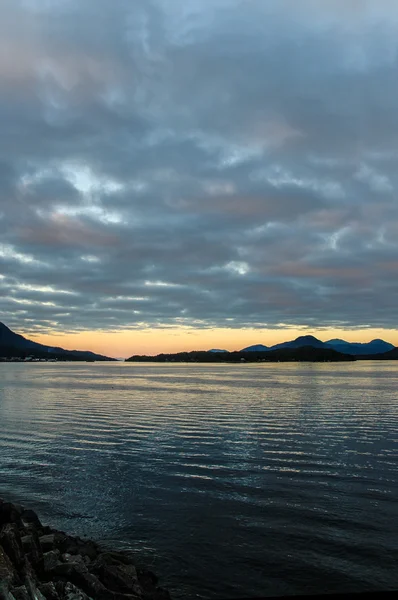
[(8, 573), (91, 585), (65, 570), (121, 578), (50, 560), (73, 593), (31, 567), (29, 517), (10, 539), (9, 513), (33, 590), (21, 593), (31, 547), (89, 549), (5, 594), (60, 587), (49, 591), (112, 558), (161, 594), (77, 561), (47, 542)]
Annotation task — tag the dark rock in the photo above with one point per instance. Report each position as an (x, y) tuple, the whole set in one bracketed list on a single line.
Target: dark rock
[(10, 539), (31, 547), (161, 594), (49, 591), (65, 570), (31, 518), (60, 587), (109, 558), (148, 582), (77, 561), (9, 513), (89, 549), (71, 592), (46, 530), (47, 542), (50, 560), (121, 578), (30, 565), (8, 573), (5, 594), (33, 590), (21, 593), (91, 585), (147, 578)]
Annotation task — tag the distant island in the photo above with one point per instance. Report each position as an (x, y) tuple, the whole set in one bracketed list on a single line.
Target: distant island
[(16, 348), (305, 348)]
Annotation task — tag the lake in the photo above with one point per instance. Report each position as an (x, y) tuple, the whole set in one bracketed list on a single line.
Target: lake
[(227, 480)]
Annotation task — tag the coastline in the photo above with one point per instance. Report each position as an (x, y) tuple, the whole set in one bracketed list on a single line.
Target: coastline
[(38, 562)]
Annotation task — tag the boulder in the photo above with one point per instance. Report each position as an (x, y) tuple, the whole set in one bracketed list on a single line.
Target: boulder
[(49, 591), (21, 593), (10, 539), (29, 517), (9, 513), (31, 547), (50, 560), (76, 560), (8, 573), (121, 578), (47, 542), (71, 592)]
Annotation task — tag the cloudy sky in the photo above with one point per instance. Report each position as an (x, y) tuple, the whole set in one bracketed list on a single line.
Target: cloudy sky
[(187, 173)]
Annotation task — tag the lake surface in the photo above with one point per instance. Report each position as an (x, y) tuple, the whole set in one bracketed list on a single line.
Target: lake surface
[(229, 481)]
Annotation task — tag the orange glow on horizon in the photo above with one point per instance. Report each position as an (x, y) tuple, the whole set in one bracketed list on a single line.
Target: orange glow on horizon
[(155, 341)]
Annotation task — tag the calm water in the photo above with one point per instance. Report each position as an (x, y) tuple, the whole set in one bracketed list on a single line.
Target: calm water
[(229, 480)]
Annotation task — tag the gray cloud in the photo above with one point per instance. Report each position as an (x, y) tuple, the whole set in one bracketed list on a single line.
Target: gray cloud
[(209, 163)]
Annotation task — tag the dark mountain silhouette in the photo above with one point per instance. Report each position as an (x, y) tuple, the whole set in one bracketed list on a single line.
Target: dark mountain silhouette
[(304, 353), (256, 348), (217, 350), (13, 344), (303, 340), (390, 355), (356, 348)]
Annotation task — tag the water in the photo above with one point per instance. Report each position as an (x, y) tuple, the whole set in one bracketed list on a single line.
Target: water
[(228, 480)]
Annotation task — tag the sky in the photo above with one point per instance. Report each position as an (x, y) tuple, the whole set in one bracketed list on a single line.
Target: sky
[(189, 174)]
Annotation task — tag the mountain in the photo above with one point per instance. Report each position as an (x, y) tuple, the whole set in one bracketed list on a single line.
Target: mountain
[(374, 347), (390, 355), (13, 344), (217, 350), (303, 340), (256, 348), (303, 353), (307, 354)]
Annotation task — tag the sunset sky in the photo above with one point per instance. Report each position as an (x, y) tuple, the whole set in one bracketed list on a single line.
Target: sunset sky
[(190, 174)]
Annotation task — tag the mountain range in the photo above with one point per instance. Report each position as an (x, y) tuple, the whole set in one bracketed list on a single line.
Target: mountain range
[(356, 349), (15, 345)]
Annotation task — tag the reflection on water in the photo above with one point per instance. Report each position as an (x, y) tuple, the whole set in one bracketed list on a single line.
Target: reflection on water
[(229, 480)]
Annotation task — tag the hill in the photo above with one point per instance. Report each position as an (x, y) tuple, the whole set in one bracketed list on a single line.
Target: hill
[(256, 348), (374, 347), (301, 341), (304, 353), (390, 355), (15, 345), (356, 349)]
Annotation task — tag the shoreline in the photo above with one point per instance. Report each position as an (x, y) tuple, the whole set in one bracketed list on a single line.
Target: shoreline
[(38, 562)]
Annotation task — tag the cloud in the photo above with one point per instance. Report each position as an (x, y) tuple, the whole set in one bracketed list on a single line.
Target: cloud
[(198, 163)]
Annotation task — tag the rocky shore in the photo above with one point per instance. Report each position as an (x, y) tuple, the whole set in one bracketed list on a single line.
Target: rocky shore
[(41, 563)]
